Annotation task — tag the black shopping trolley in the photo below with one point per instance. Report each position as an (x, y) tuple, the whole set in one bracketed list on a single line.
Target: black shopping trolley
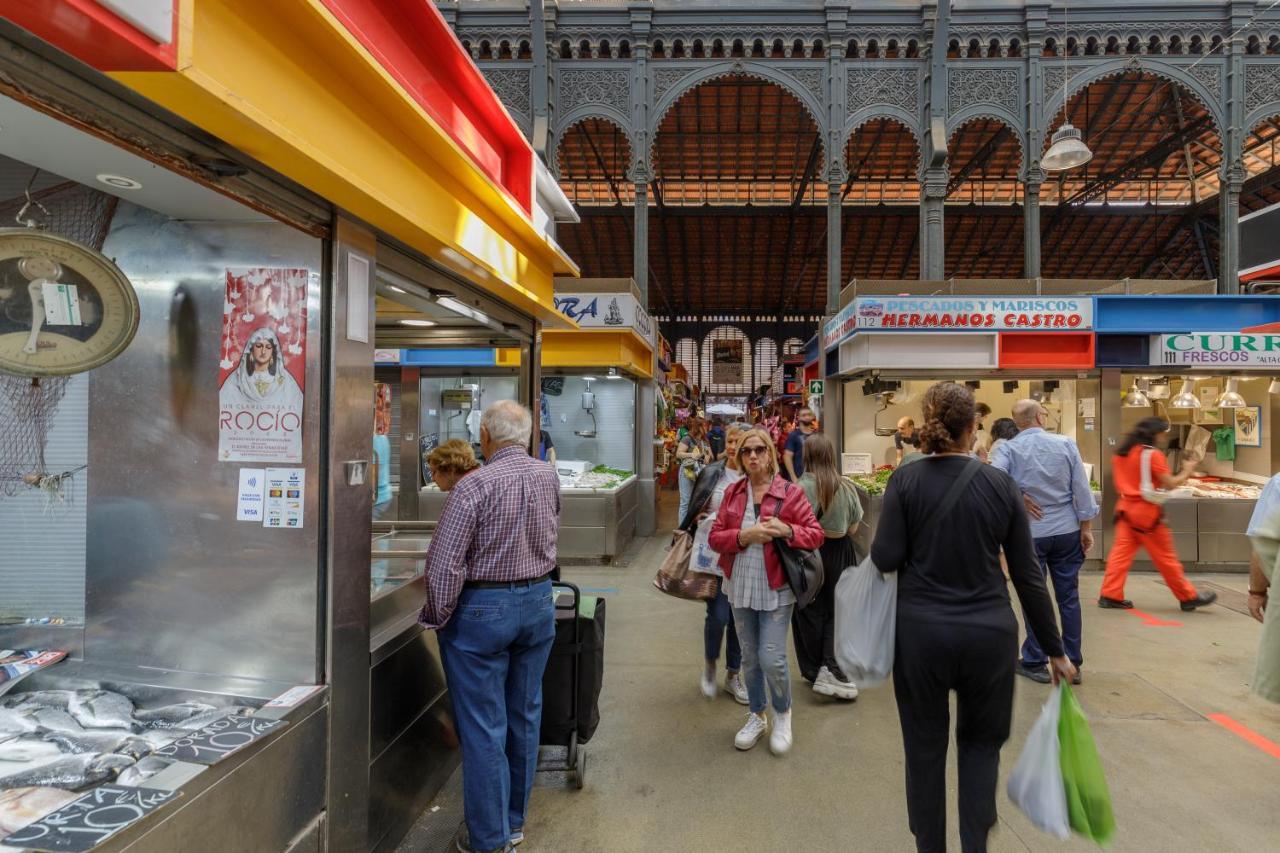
[(571, 685)]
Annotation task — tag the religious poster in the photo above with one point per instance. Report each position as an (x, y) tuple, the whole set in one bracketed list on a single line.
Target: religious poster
[(726, 361), (262, 371)]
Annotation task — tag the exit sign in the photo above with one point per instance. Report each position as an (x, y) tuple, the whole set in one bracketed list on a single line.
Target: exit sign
[(815, 387)]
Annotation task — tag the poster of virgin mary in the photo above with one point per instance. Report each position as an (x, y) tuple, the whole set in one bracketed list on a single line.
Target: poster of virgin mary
[(263, 366)]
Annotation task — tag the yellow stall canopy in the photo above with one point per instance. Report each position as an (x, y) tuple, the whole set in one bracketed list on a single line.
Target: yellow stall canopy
[(614, 329)]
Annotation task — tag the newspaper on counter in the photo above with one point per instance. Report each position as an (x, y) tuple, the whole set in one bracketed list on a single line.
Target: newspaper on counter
[(17, 664)]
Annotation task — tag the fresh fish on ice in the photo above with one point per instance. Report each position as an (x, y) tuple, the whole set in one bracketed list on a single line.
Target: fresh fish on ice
[(161, 737), (55, 721), (143, 770), (27, 749), (71, 773), (39, 699), (21, 806), (172, 716), (102, 709), (98, 740), (14, 722)]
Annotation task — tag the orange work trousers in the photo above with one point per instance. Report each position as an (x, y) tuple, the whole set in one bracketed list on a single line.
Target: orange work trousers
[(1159, 544)]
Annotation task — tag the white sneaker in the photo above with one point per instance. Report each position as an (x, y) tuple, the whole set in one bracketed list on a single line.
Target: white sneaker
[(734, 686), (749, 735), (822, 685), (845, 690), (709, 683), (780, 740)]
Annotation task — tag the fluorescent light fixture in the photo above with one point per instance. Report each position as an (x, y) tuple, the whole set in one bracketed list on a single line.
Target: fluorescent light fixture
[(1186, 398), (1231, 398), (119, 182), (589, 378), (417, 323), (396, 289), (613, 374), (461, 308)]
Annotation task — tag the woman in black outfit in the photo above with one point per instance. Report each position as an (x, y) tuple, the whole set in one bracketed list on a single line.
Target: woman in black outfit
[(956, 628)]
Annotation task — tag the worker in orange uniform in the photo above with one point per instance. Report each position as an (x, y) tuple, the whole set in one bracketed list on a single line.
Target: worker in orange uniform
[(1139, 477)]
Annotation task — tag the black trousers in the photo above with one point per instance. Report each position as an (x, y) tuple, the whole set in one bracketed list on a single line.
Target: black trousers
[(932, 659), (813, 629)]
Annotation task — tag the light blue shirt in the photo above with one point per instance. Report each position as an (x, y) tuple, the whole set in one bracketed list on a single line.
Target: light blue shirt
[(1047, 468), (382, 453), (1268, 502)]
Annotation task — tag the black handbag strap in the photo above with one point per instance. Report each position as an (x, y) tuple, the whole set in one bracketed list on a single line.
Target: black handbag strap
[(952, 497)]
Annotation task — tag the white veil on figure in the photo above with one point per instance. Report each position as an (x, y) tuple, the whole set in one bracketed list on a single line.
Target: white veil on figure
[(275, 386)]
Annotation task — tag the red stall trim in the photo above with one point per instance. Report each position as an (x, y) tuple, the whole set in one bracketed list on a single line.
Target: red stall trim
[(95, 35), (1055, 350)]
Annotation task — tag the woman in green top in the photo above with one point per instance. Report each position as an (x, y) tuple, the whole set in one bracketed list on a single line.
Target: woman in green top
[(835, 503)]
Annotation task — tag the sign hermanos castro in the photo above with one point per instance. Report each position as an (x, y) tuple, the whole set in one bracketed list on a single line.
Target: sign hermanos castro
[(1217, 349), (616, 311), (983, 314)]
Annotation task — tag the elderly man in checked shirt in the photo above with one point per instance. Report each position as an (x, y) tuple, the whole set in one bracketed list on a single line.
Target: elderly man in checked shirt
[(489, 597), (1048, 469)]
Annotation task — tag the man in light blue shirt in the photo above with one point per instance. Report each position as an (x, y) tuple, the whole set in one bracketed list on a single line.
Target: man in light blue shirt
[(1048, 469)]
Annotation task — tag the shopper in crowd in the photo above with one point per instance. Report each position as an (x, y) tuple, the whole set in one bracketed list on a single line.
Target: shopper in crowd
[(708, 493), (1140, 522), (1001, 431), (980, 448), (1264, 535), (757, 510), (793, 454), (546, 448), (955, 626), (488, 579), (692, 453), (837, 508), (450, 462), (1050, 473), (715, 437), (905, 436)]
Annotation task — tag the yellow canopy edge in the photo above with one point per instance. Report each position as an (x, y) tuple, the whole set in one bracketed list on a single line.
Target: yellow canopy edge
[(624, 350)]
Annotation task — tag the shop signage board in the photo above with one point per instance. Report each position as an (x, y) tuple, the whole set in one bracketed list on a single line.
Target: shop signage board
[(979, 314), (613, 311), (840, 326), (726, 361), (89, 820), (1243, 350)]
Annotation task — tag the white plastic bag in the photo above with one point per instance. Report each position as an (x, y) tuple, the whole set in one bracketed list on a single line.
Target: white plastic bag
[(866, 614), (1036, 784), (702, 558)]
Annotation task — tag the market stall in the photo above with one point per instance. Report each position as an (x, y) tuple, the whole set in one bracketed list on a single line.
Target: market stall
[(185, 503), (593, 379), (1067, 353)]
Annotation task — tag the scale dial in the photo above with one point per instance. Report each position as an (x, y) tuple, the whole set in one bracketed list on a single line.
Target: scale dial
[(94, 321)]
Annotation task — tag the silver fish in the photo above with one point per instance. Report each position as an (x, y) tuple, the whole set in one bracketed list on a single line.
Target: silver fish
[(26, 749), (161, 737), (21, 806), (98, 740), (143, 770), (55, 721), (102, 709), (71, 773), (14, 722), (171, 716), (39, 699)]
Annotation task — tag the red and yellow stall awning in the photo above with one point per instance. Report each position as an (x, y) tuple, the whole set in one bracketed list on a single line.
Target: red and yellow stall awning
[(371, 104)]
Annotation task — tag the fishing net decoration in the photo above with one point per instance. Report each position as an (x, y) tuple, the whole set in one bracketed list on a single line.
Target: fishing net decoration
[(28, 406)]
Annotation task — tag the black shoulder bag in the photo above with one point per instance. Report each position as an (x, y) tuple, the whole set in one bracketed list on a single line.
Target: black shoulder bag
[(802, 567)]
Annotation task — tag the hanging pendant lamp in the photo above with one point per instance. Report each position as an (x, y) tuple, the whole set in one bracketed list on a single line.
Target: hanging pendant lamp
[(1066, 149), (1231, 398), (1137, 397), (1186, 398)]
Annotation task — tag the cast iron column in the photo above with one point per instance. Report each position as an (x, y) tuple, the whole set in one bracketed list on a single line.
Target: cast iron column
[(1031, 224), (1232, 174)]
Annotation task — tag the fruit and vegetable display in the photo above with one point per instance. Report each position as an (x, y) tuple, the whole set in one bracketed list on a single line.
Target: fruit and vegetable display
[(874, 482)]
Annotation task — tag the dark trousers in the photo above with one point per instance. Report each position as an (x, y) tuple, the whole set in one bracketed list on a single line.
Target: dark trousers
[(1061, 558), (718, 624), (932, 659), (814, 628)]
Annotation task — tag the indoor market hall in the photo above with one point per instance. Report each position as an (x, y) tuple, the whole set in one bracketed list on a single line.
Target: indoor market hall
[(569, 426)]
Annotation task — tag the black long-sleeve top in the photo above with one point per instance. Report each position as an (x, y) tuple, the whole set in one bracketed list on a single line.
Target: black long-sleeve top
[(954, 576)]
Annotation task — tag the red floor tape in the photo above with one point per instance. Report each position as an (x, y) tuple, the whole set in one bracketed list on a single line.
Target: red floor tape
[(1154, 621), (1247, 734)]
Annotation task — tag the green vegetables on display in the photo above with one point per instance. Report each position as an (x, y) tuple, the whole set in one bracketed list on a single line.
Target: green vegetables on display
[(616, 472), (874, 483)]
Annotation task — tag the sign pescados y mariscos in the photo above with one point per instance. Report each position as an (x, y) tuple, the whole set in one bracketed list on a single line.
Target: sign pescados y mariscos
[(988, 314)]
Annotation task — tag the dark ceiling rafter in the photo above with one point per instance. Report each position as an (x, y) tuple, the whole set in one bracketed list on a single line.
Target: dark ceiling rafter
[(980, 159)]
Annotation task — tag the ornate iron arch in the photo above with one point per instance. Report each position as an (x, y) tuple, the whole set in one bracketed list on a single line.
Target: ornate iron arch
[(1204, 82), (808, 92), (990, 113), (866, 115), (577, 117)]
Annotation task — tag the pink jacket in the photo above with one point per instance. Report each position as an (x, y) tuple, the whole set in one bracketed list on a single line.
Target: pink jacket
[(795, 512)]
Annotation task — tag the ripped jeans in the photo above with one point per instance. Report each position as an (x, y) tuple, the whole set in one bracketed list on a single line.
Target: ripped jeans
[(763, 636)]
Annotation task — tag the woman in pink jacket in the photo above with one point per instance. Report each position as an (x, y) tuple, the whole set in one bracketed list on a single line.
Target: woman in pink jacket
[(755, 511)]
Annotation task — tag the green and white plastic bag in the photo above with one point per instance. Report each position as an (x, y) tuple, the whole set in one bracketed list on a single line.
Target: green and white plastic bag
[(1088, 799)]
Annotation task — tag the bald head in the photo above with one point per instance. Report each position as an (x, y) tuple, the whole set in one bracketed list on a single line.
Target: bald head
[(1026, 413)]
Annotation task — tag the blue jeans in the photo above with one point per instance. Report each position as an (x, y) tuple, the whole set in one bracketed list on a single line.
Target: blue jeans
[(763, 634), (686, 493), (1061, 557), (495, 648), (719, 621)]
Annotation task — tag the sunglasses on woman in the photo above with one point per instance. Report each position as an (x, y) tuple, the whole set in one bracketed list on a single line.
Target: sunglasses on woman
[(752, 450)]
